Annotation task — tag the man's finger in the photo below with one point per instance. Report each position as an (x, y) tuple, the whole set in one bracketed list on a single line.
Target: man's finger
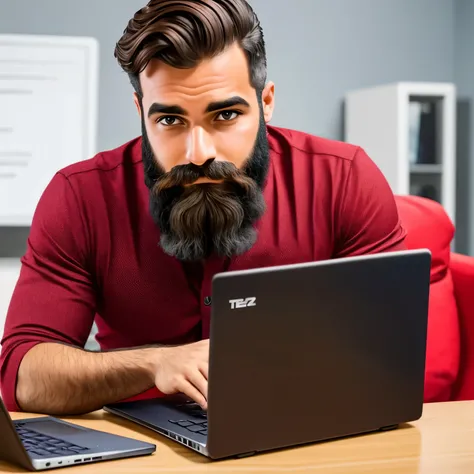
[(199, 382), (192, 392)]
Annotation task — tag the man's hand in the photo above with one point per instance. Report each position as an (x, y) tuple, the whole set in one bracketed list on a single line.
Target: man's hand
[(184, 369)]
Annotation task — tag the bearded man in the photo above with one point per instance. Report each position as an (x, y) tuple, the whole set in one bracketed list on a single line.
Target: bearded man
[(132, 237)]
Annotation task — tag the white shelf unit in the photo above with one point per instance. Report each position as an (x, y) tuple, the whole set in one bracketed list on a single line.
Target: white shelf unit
[(378, 120)]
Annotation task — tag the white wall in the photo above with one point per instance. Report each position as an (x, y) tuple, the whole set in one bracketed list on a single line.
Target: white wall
[(9, 272)]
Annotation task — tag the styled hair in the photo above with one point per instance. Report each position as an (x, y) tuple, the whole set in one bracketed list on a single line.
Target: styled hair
[(181, 33)]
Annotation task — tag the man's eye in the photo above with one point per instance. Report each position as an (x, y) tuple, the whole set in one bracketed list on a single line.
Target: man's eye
[(228, 115), (168, 121)]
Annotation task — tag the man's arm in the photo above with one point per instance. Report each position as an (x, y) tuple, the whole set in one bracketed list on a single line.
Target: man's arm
[(58, 379), (54, 300), (43, 366), (63, 380), (367, 219)]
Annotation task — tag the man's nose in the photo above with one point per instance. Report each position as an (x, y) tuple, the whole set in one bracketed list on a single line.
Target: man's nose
[(200, 147)]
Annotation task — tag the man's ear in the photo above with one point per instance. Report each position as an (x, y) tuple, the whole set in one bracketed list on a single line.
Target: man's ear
[(268, 101), (136, 99)]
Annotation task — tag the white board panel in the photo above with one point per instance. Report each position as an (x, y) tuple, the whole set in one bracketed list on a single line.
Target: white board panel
[(48, 115)]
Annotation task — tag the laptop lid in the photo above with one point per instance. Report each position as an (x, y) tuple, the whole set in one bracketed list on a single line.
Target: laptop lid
[(11, 448), (318, 350)]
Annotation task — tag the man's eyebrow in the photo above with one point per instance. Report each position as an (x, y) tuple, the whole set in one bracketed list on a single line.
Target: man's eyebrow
[(157, 108), (225, 104)]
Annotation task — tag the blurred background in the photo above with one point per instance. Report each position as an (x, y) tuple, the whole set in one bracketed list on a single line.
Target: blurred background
[(394, 76)]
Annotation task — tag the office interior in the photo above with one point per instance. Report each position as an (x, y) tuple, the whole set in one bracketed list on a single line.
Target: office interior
[(320, 53)]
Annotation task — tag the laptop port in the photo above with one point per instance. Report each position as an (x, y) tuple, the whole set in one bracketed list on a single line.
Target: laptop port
[(97, 458), (87, 459), (78, 460)]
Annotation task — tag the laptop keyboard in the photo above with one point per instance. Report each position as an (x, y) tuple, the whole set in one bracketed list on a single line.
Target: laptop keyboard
[(197, 424), (44, 445)]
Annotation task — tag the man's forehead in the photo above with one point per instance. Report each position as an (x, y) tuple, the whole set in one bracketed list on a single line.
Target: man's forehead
[(225, 74)]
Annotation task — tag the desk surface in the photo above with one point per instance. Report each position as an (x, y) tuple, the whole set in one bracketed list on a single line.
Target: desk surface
[(441, 442)]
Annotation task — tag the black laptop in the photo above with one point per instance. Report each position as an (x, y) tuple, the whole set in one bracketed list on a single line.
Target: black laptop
[(46, 442), (305, 353)]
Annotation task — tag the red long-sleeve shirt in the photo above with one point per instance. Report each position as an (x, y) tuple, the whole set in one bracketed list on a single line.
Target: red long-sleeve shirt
[(92, 250)]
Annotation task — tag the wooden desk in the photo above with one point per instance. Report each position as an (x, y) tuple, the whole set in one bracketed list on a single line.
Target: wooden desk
[(441, 442)]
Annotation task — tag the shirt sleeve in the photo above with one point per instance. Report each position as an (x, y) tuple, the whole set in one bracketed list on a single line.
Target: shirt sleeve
[(54, 299), (367, 220)]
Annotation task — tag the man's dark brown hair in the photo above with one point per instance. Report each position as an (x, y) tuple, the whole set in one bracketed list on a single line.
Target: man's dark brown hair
[(182, 33)]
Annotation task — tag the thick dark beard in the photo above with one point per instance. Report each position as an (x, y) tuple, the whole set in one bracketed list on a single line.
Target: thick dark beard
[(198, 220)]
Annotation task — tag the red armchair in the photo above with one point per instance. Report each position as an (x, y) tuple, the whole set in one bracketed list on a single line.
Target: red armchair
[(450, 349)]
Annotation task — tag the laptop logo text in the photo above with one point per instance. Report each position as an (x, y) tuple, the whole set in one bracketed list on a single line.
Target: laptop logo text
[(242, 303)]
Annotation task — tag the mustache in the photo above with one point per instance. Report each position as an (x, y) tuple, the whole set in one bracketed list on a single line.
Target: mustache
[(183, 175)]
